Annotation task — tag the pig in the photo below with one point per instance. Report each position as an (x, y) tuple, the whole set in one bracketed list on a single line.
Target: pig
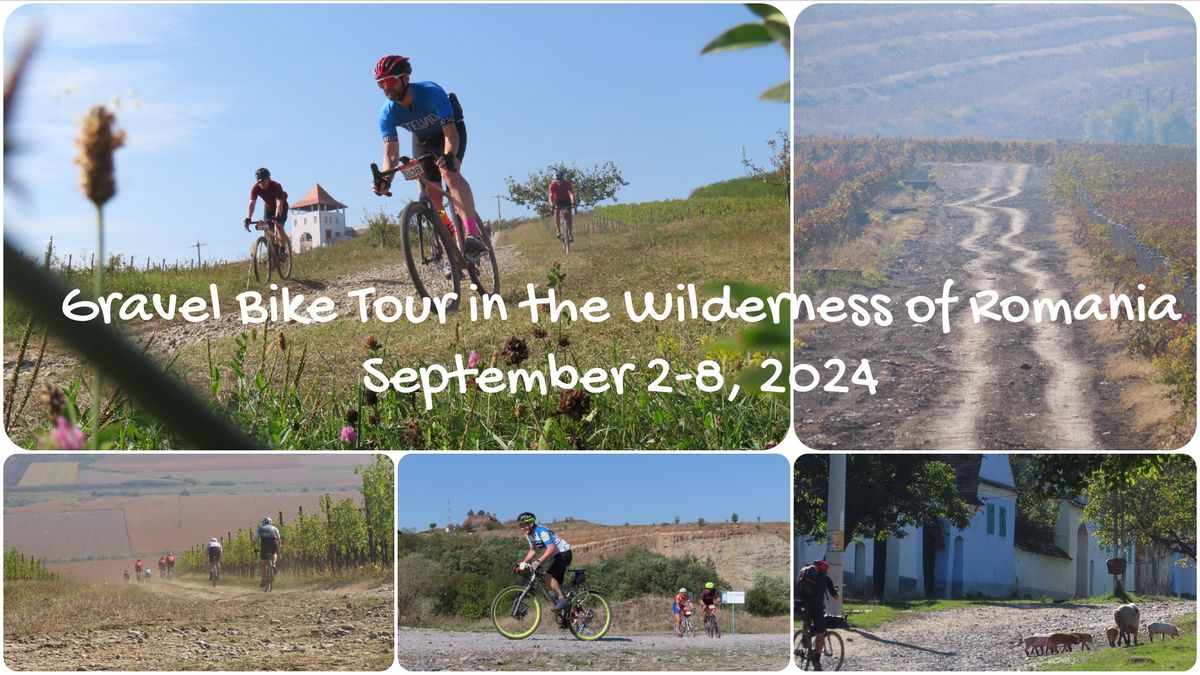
[(1127, 617), (1163, 629), (1057, 640), (1112, 634), (1085, 640), (1036, 644)]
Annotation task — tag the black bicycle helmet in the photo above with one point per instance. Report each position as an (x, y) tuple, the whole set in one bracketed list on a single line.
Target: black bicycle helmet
[(526, 517), (262, 173)]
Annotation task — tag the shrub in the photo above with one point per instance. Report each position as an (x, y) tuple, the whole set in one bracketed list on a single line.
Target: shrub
[(768, 596)]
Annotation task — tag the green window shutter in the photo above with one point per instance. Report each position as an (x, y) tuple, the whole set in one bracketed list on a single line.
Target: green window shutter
[(1003, 522), (991, 517)]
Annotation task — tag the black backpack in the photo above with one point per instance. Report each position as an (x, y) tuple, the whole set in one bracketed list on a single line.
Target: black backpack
[(810, 583)]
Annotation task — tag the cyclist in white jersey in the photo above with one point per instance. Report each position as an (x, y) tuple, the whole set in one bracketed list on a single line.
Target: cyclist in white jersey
[(545, 546)]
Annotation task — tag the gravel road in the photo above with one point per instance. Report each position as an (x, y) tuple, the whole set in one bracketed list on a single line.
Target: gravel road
[(425, 649), (984, 637)]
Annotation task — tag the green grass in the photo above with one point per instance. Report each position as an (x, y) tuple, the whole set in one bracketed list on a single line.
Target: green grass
[(743, 187), (302, 395), (1169, 654)]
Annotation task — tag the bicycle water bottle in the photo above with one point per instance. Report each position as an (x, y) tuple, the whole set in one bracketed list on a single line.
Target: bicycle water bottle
[(449, 225)]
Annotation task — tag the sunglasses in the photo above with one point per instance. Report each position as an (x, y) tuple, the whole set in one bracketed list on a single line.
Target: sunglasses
[(387, 82)]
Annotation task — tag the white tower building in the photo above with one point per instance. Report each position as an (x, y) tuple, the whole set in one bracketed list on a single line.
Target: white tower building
[(317, 220)]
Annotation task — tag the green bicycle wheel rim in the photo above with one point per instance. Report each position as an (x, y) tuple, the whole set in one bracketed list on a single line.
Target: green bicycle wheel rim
[(607, 620), (500, 602)]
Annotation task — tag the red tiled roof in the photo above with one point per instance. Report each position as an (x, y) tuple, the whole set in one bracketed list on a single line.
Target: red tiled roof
[(318, 195)]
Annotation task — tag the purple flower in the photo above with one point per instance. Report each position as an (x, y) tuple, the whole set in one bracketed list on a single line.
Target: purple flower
[(64, 436), (349, 435), (473, 359)]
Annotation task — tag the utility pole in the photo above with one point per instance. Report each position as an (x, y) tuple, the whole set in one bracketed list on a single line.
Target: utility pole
[(198, 245), (835, 526), (498, 198)]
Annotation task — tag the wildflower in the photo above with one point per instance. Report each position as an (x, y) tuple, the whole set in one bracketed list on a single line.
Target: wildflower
[(515, 351), (564, 341), (64, 436), (574, 404), (473, 359), (96, 142), (371, 343), (348, 435), (540, 333), (55, 400), (370, 397), (352, 416), (413, 434)]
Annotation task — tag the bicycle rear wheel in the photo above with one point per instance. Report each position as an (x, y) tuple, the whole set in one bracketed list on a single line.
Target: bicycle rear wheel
[(426, 241), (515, 614), (285, 264), (260, 260), (590, 617), (482, 269)]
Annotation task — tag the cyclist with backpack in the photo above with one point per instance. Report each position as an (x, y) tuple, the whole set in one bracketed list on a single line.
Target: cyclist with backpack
[(812, 584), (268, 547), (545, 546), (436, 122), (171, 564)]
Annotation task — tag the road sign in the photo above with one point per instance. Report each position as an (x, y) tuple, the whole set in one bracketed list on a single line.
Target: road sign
[(733, 597)]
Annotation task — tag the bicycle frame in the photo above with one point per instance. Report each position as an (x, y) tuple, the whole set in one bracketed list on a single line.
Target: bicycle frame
[(411, 170)]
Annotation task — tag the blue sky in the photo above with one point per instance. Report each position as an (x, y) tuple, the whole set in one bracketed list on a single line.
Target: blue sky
[(611, 489), (208, 93)]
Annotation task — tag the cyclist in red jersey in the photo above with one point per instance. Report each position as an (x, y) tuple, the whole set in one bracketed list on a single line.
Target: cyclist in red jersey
[(275, 206), (561, 197)]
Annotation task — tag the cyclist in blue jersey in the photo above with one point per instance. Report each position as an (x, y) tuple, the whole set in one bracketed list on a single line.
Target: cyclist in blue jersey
[(436, 122), (545, 546), (268, 547)]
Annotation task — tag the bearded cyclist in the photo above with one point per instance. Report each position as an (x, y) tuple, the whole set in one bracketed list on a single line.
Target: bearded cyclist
[(562, 200), (275, 206), (268, 547), (545, 546), (436, 122)]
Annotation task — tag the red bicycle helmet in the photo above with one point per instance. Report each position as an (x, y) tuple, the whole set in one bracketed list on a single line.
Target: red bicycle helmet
[(392, 66), (822, 565)]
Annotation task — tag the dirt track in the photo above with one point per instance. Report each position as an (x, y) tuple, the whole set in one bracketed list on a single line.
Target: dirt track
[(984, 637), (422, 649), (994, 385), (191, 626)]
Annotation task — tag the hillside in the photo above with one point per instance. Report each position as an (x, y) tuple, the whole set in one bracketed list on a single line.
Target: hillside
[(739, 550), (997, 71)]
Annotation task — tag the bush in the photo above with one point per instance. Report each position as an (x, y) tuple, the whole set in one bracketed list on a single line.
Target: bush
[(472, 599), (417, 577), (769, 595), (639, 572)]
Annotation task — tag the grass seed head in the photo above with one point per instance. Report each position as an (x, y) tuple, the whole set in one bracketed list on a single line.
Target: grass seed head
[(372, 343), (55, 400), (97, 141)]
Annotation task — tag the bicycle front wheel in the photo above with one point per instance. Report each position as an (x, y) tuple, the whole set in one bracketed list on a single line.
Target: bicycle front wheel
[(516, 614), (833, 653), (426, 241), (260, 260), (591, 616)]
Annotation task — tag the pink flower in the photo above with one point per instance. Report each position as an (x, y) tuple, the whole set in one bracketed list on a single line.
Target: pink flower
[(64, 436), (349, 435), (473, 359)]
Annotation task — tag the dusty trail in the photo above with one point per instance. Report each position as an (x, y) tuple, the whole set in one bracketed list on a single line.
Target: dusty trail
[(188, 625), (995, 385), (985, 637), (423, 649)]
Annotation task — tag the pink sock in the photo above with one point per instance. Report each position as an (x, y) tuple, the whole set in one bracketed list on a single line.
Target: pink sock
[(472, 228)]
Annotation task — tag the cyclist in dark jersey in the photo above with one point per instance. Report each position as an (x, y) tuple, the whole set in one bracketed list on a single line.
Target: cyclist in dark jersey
[(268, 542), (275, 206), (435, 121), (710, 597)]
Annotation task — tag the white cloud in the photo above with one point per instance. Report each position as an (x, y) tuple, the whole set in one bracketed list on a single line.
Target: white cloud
[(87, 26)]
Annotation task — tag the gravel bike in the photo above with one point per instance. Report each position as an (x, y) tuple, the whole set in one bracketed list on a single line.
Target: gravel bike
[(833, 652), (516, 611), (434, 243), (269, 576), (213, 574), (565, 226), (271, 254), (711, 627), (687, 623)]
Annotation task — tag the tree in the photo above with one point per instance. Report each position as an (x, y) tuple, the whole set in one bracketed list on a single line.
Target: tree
[(382, 227), (676, 520), (781, 161), (591, 186), (774, 28), (734, 517), (890, 492), (700, 522), (432, 525)]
